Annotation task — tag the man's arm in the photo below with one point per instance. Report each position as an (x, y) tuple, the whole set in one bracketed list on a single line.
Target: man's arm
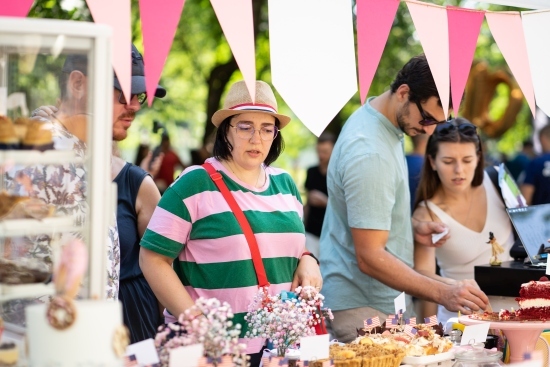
[(527, 190), (373, 260)]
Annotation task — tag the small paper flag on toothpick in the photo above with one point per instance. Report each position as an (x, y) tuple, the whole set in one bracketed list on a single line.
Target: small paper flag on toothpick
[(391, 323), (430, 321), (371, 322), (410, 331)]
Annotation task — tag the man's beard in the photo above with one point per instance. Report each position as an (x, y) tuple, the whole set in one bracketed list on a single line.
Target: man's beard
[(402, 113), (125, 115)]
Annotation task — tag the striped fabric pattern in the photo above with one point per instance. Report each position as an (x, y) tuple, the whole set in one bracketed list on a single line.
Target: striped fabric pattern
[(194, 225)]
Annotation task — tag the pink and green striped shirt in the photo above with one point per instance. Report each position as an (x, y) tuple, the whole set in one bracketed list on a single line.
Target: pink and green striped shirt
[(194, 225)]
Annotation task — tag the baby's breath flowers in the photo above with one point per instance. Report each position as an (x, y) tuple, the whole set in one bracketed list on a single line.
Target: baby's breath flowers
[(286, 317), (213, 328)]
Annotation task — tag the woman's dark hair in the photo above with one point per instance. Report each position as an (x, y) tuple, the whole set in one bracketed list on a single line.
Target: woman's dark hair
[(458, 130), (417, 75), (223, 148)]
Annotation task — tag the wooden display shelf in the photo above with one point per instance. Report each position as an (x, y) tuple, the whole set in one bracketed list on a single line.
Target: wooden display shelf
[(33, 290), (29, 227)]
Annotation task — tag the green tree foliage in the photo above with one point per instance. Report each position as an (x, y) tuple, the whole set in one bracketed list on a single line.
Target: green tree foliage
[(200, 67)]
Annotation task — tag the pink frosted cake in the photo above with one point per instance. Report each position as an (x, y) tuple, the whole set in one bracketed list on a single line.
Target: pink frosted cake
[(534, 300)]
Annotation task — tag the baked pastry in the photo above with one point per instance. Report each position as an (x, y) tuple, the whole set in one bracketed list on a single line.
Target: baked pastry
[(61, 313), (8, 137), (21, 124), (19, 207), (19, 273), (534, 300), (9, 354), (38, 137)]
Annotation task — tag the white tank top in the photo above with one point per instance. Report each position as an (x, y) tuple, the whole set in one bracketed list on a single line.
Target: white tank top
[(467, 248)]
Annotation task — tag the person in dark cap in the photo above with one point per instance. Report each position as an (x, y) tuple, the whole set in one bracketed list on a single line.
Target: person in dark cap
[(137, 192)]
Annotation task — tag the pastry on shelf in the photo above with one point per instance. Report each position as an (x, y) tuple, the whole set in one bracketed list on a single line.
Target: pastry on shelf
[(21, 125), (20, 207), (9, 354), (23, 272), (8, 137), (38, 137)]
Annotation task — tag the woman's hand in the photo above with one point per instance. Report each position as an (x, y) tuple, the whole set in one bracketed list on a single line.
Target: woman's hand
[(308, 272)]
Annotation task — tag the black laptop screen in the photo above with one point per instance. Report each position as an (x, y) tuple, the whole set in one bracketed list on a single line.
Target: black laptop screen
[(532, 224)]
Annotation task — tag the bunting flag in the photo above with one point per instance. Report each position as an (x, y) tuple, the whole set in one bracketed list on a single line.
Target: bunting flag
[(536, 24), (410, 331), (430, 321), (426, 19), (464, 27), (15, 8), (507, 31), (391, 323), (411, 321), (158, 25), (117, 15), (374, 21), (371, 322), (313, 57), (237, 23)]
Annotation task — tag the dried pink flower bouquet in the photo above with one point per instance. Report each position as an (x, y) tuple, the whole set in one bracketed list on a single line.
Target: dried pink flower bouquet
[(214, 329), (286, 317)]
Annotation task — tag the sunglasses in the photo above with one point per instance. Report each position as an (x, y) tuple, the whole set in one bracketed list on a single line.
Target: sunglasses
[(465, 128), (141, 97), (426, 120)]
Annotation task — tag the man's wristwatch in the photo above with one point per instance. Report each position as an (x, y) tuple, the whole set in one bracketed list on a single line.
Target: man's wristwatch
[(310, 254)]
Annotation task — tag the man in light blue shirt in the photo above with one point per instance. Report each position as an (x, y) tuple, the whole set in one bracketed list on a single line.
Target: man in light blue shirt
[(367, 237)]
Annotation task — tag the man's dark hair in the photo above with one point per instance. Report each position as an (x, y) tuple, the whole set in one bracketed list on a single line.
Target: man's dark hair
[(223, 148), (545, 131), (326, 138), (72, 62), (417, 75)]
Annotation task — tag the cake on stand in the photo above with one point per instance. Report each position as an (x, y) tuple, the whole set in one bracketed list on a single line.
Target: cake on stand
[(522, 336)]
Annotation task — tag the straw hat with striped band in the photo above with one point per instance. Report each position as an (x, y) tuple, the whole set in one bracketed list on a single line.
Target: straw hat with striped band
[(238, 101)]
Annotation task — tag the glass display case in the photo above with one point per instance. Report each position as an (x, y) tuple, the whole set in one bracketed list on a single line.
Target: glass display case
[(55, 148)]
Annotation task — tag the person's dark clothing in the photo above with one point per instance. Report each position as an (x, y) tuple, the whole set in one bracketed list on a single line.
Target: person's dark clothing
[(139, 304), (414, 165), (538, 175), (315, 180), (518, 164)]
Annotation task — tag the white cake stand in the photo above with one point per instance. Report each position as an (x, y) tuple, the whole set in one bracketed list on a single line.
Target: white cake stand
[(522, 336)]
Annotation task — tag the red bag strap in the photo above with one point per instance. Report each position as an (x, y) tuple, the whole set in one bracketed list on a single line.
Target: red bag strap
[(248, 234)]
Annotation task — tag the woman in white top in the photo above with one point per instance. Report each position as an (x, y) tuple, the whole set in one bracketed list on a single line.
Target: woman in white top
[(455, 190)]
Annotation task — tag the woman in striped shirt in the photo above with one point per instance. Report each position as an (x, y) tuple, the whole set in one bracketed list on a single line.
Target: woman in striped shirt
[(194, 246)]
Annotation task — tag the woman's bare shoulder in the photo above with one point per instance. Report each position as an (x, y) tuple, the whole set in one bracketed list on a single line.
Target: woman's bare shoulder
[(422, 213)]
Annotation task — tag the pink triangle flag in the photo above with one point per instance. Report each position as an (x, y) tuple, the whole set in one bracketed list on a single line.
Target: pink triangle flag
[(117, 15), (507, 31), (374, 21), (237, 23), (15, 8), (464, 26), (159, 25), (431, 24)]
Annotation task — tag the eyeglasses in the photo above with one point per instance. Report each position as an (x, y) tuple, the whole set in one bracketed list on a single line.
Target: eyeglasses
[(465, 128), (141, 97), (427, 121), (247, 131)]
